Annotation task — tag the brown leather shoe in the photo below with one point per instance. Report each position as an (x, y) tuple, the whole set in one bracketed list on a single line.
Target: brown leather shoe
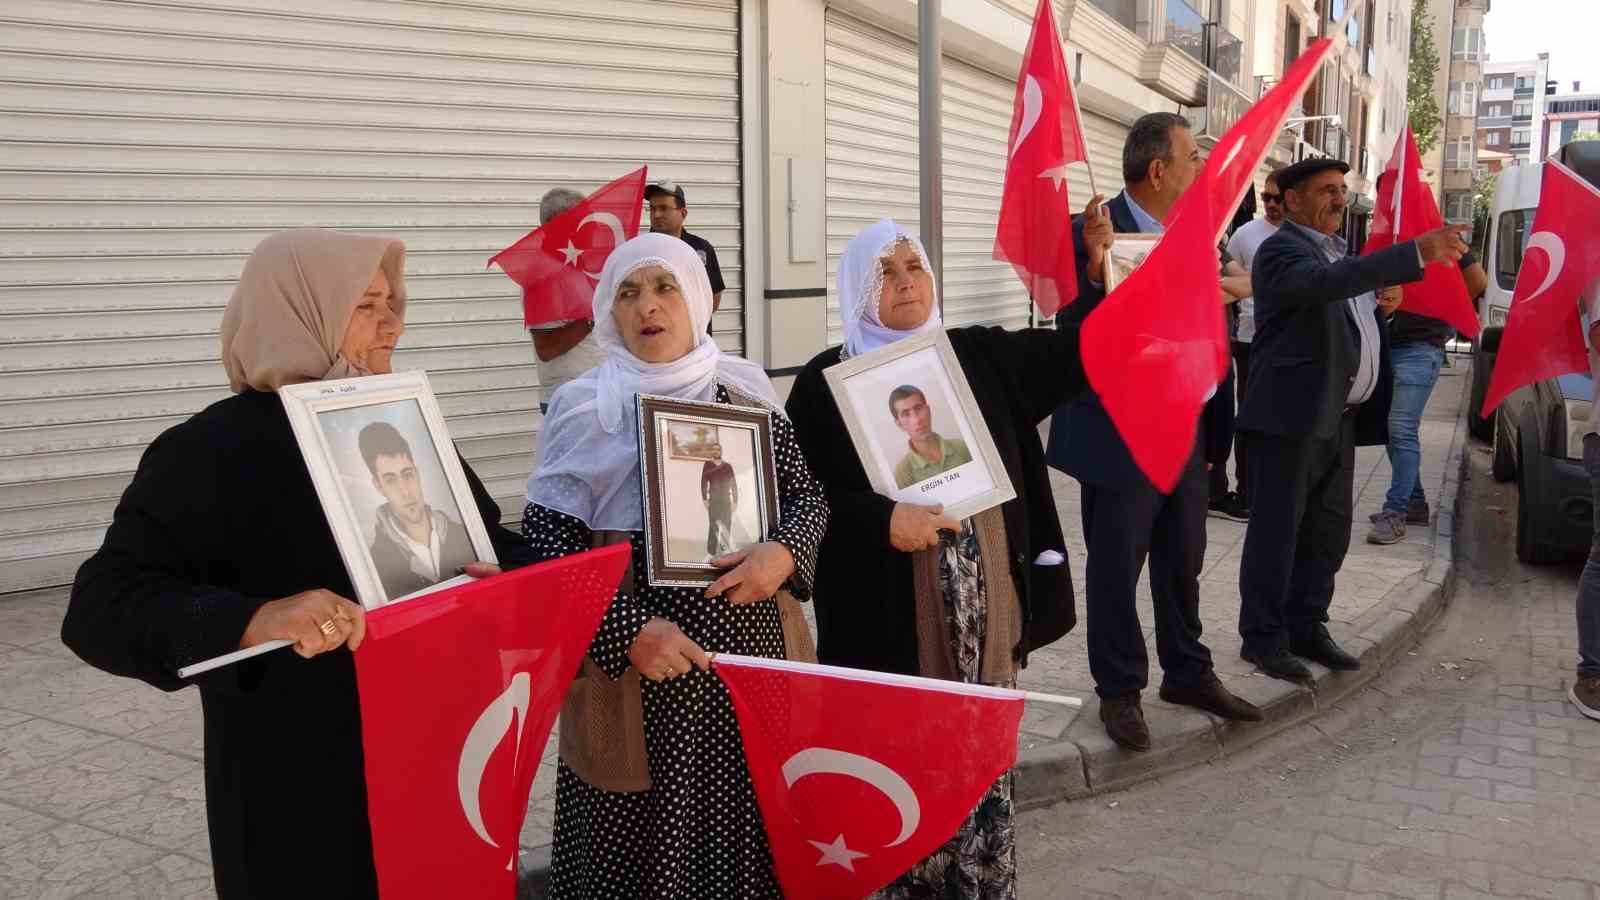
[(1209, 694), (1124, 721)]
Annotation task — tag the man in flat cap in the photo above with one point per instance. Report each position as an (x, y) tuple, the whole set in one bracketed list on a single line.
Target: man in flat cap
[(1321, 386)]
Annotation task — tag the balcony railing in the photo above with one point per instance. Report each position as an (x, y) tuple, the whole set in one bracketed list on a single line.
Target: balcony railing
[(1126, 12), (1522, 120)]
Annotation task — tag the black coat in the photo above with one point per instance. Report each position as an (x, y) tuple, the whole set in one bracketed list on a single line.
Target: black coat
[(865, 603), (220, 518), (1307, 349)]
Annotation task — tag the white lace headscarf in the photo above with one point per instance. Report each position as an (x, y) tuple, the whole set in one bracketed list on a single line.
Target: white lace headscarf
[(861, 284), (587, 462)]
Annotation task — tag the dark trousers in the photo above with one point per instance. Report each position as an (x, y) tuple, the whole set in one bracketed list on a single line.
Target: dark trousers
[(1241, 375), (1217, 432), (1123, 525), (1298, 534)]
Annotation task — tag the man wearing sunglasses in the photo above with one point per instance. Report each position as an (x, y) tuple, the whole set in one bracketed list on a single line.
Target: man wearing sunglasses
[(1242, 247)]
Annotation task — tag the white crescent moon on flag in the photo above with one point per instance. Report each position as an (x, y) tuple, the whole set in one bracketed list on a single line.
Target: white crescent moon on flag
[(1551, 244), (504, 713), (1032, 103), (821, 760), (617, 233)]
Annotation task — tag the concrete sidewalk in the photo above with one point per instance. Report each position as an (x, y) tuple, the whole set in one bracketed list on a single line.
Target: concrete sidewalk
[(100, 787)]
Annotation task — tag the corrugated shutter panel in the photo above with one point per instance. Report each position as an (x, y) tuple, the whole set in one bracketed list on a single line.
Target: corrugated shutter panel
[(871, 81), (146, 147)]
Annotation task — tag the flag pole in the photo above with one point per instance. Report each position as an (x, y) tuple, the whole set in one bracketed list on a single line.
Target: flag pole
[(1077, 80), (228, 659), (930, 133)]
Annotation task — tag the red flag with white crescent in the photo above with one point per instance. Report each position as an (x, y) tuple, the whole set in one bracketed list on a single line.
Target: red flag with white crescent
[(1557, 288), (1034, 231), (860, 775), (1404, 210), (459, 689), (558, 264), (1160, 333)]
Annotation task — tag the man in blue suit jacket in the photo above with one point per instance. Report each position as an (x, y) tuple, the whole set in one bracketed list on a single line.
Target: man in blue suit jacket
[(1125, 517), (1320, 385)]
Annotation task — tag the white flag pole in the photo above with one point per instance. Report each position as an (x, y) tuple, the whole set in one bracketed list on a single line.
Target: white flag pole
[(1077, 79), (890, 678), (228, 659)]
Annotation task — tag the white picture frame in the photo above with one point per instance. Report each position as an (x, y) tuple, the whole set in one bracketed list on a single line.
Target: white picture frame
[(869, 388), (372, 523), (1127, 251)]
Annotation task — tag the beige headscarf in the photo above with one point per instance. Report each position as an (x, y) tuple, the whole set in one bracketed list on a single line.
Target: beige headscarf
[(287, 317)]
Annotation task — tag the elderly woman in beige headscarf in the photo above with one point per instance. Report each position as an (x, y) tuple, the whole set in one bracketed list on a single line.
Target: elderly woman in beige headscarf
[(220, 543)]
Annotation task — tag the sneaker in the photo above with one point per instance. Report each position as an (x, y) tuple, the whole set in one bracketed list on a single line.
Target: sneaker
[(1417, 513), (1585, 695), (1229, 506), (1387, 528)]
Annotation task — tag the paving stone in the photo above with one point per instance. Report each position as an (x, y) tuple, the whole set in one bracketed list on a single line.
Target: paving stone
[(35, 742), (174, 877), (66, 861)]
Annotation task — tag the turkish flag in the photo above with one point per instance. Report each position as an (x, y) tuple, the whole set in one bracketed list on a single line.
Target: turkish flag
[(558, 263), (1156, 348), (860, 775), (1405, 209), (1034, 232), (459, 689), (1544, 332)]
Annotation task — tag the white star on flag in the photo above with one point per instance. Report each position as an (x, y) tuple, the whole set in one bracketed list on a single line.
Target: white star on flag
[(1057, 174), (837, 854), (571, 252)]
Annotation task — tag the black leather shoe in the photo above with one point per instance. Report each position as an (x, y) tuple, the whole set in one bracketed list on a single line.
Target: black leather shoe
[(1209, 694), (1320, 648), (1279, 665), (1124, 721)]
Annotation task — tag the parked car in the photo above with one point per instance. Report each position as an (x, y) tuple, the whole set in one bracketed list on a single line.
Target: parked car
[(1537, 432)]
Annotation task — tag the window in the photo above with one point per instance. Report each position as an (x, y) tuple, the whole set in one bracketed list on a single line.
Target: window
[(1458, 153), (1522, 109), (1463, 99), (1498, 82), (1494, 110), (1335, 10), (1512, 233), (1492, 139), (1524, 82), (1458, 206), (1291, 42), (1466, 42), (1521, 136)]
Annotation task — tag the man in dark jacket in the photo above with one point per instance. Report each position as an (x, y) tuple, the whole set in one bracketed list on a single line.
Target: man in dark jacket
[(1321, 386), (1125, 517)]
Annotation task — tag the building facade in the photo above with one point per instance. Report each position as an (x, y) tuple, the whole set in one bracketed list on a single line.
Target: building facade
[(1511, 117), (1458, 86), (1569, 117), (149, 148)]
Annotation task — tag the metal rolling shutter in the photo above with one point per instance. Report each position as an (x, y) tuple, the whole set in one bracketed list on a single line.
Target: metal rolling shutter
[(871, 114), (146, 147)]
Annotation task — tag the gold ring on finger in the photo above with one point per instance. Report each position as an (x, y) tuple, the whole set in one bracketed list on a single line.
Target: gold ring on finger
[(328, 628)]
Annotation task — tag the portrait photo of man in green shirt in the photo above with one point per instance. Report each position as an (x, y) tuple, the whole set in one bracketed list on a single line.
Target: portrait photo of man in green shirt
[(928, 453)]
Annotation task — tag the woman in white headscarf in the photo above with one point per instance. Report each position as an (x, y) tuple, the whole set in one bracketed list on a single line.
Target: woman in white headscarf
[(904, 588), (220, 543), (653, 798)]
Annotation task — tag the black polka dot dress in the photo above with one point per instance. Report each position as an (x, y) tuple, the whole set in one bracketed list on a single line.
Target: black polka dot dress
[(697, 832)]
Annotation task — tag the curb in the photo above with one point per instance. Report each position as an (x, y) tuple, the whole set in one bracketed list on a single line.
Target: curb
[(1090, 765)]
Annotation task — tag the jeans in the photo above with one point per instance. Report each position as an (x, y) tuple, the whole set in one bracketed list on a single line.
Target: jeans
[(1589, 582), (1416, 370)]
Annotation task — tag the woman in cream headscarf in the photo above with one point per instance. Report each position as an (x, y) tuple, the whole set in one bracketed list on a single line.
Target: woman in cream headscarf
[(905, 588), (220, 543), (653, 798)]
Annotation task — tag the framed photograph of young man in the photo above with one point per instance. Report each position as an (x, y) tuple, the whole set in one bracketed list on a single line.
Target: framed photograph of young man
[(390, 483), (709, 484), (1126, 253), (919, 432)]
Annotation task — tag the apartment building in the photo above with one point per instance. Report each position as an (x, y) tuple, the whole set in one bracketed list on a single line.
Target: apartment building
[(1512, 110), (1458, 86), (1568, 116)]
